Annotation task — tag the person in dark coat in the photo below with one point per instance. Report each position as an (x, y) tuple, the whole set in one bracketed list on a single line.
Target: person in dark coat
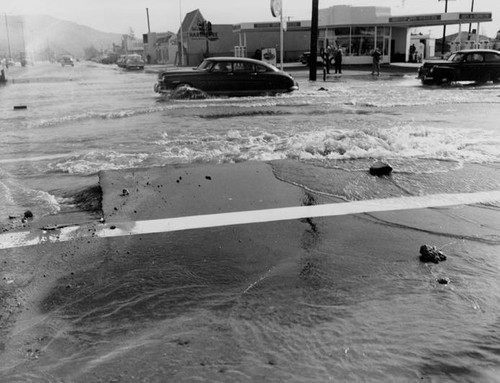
[(338, 60), (376, 55)]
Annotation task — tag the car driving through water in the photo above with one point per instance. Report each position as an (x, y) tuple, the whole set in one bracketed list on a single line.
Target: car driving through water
[(67, 60), (229, 76), (478, 65)]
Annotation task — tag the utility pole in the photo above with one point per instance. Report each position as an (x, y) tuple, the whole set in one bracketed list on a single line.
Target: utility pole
[(314, 41), (470, 24), (444, 28), (147, 15), (182, 39), (8, 37), (22, 55)]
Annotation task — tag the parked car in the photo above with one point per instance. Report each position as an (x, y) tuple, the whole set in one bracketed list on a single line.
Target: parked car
[(121, 61), (67, 60), (229, 76), (479, 65), (134, 62)]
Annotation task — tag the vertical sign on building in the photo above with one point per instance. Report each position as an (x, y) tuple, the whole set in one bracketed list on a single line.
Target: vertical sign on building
[(277, 10)]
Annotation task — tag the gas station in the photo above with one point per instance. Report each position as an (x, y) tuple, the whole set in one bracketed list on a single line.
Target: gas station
[(357, 31)]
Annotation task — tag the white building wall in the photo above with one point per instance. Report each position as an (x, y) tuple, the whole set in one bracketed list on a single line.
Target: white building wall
[(348, 15)]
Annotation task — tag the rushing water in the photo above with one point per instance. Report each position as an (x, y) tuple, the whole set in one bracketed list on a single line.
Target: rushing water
[(332, 323), (84, 119)]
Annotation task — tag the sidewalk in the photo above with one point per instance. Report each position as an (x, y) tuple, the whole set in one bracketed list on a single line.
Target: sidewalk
[(299, 70), (353, 71), (297, 67)]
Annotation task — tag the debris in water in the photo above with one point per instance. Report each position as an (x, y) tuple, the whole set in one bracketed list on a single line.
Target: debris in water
[(380, 168), (431, 254)]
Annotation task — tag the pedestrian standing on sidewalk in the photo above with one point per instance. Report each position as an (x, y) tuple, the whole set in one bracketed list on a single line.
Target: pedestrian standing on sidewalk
[(327, 58), (376, 55), (338, 60)]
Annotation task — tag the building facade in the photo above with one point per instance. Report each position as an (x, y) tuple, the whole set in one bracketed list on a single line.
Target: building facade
[(357, 31), (159, 48), (195, 45), (354, 30)]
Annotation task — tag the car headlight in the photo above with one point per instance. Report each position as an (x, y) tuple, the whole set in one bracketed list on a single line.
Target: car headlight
[(431, 70)]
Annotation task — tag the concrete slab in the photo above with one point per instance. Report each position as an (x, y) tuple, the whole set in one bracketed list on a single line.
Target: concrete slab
[(154, 304)]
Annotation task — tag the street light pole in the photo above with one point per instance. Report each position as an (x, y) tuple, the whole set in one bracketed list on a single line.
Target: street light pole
[(281, 39), (182, 39)]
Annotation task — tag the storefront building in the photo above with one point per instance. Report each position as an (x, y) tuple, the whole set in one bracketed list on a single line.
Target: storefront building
[(196, 45), (355, 30), (159, 48)]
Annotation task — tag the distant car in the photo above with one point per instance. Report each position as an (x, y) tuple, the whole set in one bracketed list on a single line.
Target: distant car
[(121, 61), (133, 62), (229, 76), (479, 65), (67, 60)]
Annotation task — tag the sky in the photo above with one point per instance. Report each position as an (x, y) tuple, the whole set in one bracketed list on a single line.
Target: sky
[(164, 15)]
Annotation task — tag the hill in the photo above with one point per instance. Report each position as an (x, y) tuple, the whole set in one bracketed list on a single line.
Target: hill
[(44, 36)]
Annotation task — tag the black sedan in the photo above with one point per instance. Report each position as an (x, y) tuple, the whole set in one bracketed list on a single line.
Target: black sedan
[(478, 65), (229, 76)]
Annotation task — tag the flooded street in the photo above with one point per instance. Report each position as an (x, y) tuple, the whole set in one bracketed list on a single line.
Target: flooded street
[(88, 118), (223, 305)]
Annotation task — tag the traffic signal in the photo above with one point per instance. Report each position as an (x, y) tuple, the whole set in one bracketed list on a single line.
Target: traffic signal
[(209, 28), (201, 28)]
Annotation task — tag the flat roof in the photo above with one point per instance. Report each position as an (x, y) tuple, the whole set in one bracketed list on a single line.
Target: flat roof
[(440, 19), (409, 21)]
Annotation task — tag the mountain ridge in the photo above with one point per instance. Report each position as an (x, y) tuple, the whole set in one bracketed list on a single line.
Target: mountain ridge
[(43, 36)]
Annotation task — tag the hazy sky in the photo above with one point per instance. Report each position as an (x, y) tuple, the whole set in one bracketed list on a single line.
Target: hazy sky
[(119, 15)]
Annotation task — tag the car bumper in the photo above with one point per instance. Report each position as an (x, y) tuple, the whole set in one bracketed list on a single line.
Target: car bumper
[(159, 87)]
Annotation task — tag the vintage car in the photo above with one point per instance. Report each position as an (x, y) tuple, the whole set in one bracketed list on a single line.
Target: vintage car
[(133, 61), (478, 65), (229, 76), (67, 60)]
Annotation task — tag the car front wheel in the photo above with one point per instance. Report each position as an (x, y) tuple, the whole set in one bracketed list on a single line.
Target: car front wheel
[(182, 84)]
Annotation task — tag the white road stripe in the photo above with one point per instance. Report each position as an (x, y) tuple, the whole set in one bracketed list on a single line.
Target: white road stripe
[(19, 239)]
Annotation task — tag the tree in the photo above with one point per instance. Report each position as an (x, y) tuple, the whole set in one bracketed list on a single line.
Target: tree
[(90, 52)]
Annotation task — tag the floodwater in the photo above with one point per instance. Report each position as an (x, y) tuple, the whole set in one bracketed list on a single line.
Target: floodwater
[(320, 326)]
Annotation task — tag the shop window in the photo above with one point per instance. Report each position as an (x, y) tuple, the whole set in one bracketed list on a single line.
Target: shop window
[(363, 31), (362, 41), (342, 32)]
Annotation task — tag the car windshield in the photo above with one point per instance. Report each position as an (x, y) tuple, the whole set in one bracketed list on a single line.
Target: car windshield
[(205, 65), (456, 57)]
